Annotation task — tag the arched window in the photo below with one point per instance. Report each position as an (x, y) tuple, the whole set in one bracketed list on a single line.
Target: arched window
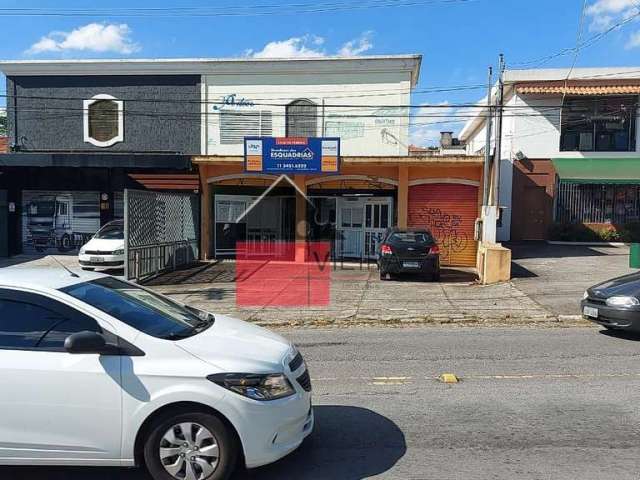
[(302, 119), (103, 121)]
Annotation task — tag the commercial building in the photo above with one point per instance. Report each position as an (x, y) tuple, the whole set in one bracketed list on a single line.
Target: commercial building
[(570, 160), (363, 104), (80, 132)]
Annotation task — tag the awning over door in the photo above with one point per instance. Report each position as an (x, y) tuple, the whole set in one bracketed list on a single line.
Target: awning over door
[(598, 170)]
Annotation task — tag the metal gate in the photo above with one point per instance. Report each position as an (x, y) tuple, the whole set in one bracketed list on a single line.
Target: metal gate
[(161, 232)]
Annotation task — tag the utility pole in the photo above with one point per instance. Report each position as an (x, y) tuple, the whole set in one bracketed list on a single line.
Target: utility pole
[(487, 147), (497, 156)]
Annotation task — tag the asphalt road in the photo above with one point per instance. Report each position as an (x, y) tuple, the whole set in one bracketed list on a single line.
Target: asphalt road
[(533, 403)]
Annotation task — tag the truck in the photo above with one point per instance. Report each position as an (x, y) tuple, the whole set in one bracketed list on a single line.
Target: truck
[(50, 224)]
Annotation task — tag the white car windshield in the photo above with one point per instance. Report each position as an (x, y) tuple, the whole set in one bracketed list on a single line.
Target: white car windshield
[(143, 310), (111, 232)]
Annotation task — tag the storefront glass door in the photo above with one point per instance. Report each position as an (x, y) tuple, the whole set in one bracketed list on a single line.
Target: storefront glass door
[(350, 236), (361, 224), (377, 218), (264, 225)]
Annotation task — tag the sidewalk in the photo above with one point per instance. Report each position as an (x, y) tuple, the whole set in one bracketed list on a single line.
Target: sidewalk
[(556, 276), (358, 296), (547, 287)]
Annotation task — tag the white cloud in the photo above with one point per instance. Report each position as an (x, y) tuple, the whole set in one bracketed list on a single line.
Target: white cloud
[(429, 121), (94, 37), (600, 7), (357, 46), (307, 46), (634, 40), (605, 14), (311, 46)]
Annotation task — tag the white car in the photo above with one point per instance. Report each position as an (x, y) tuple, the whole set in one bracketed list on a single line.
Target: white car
[(105, 249), (99, 371)]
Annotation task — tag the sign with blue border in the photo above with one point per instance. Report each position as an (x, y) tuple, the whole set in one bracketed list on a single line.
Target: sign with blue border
[(291, 155)]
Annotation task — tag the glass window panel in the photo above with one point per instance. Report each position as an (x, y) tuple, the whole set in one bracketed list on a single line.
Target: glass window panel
[(302, 119), (598, 124), (384, 220), (356, 220), (103, 120)]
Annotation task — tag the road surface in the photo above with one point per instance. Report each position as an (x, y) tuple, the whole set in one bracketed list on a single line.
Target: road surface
[(532, 403)]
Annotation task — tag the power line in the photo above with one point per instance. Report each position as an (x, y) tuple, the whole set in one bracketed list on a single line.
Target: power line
[(235, 10), (582, 45), (236, 107)]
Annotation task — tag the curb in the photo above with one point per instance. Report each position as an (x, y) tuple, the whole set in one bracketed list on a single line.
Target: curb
[(551, 321), (588, 244)]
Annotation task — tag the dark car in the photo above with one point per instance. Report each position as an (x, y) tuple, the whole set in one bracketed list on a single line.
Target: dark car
[(614, 304), (408, 251)]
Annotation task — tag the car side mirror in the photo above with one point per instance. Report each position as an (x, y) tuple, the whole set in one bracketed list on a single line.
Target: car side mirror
[(86, 342)]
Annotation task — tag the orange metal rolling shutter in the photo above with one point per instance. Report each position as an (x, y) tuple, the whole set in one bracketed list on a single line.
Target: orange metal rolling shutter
[(449, 211)]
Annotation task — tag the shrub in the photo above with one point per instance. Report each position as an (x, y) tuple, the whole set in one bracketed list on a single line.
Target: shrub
[(578, 232)]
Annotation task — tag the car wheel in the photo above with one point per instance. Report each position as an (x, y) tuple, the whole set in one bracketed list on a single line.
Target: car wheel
[(383, 275), (435, 277), (190, 446), (89, 269)]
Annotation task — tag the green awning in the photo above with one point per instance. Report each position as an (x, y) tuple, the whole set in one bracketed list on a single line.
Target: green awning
[(598, 170)]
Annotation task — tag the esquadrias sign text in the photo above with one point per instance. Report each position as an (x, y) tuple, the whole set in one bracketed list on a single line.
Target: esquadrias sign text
[(292, 155)]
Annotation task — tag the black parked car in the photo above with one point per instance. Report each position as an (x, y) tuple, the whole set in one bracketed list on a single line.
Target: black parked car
[(614, 304), (408, 251)]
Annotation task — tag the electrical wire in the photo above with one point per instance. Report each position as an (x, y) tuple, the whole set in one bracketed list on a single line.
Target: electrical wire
[(583, 45), (231, 10), (356, 107)]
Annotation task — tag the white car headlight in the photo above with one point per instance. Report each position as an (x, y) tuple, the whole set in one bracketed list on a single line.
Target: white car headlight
[(255, 386), (81, 251), (119, 252), (623, 302), (585, 295)]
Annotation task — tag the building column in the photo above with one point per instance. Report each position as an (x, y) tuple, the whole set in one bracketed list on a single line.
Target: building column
[(301, 217), (205, 216), (403, 195)]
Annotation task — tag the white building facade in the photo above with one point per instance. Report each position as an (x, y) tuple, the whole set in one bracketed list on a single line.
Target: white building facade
[(570, 151), (361, 101)]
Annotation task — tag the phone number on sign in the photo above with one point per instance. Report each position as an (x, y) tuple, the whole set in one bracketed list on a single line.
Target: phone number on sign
[(291, 166)]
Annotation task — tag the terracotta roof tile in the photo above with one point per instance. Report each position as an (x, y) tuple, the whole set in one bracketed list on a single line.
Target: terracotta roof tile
[(580, 88)]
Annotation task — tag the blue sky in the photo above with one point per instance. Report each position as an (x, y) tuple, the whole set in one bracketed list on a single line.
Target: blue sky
[(457, 39)]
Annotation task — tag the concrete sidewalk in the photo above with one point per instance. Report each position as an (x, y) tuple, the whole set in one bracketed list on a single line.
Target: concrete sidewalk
[(556, 276), (358, 296), (547, 287)]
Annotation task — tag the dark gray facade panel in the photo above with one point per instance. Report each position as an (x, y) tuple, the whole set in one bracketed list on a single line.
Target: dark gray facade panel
[(161, 112)]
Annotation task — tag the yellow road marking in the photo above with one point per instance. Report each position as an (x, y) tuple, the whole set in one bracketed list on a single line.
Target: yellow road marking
[(448, 378)]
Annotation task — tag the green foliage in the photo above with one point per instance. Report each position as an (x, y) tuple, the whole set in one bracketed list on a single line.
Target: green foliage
[(572, 232)]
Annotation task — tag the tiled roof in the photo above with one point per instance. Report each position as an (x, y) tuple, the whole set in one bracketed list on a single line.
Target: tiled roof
[(580, 88)]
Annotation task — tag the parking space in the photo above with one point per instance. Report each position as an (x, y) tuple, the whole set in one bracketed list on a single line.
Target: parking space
[(555, 276)]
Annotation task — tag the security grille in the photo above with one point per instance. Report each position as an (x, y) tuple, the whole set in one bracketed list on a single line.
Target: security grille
[(597, 203), (161, 232), (302, 119)]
